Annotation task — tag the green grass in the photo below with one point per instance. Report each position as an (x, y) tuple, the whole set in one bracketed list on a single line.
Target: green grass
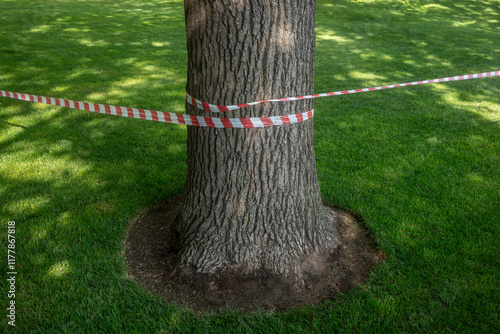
[(420, 164)]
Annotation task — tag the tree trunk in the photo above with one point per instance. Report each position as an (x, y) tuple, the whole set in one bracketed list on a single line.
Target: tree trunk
[(252, 201)]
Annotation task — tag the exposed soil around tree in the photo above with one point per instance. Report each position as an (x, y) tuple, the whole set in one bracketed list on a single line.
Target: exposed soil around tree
[(151, 255)]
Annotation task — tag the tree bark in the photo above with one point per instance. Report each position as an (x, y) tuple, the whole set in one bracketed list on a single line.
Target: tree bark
[(252, 201)]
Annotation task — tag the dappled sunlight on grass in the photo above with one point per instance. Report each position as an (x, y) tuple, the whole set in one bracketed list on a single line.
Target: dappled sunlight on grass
[(160, 44), (433, 8), (90, 43), (368, 77), (27, 204), (329, 35), (60, 89), (59, 269)]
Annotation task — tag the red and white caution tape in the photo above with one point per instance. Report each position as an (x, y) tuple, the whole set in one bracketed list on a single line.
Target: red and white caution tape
[(216, 108), (215, 122), (167, 117)]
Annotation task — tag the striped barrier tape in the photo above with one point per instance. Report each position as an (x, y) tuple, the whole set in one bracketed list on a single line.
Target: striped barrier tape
[(167, 117), (216, 122), (217, 108)]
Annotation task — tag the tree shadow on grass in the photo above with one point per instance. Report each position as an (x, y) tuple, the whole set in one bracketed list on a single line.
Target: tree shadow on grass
[(420, 164), (403, 159), (436, 127), (73, 180)]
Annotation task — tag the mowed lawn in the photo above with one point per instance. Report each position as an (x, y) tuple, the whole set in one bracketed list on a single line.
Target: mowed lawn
[(421, 165)]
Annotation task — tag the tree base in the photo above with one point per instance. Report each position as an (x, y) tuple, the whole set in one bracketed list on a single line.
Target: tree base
[(152, 255)]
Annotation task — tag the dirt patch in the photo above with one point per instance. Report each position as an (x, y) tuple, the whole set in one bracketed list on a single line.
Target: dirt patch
[(151, 254)]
